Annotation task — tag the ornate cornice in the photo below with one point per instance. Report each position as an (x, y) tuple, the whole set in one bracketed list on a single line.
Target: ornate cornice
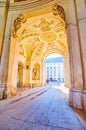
[(25, 4), (2, 4)]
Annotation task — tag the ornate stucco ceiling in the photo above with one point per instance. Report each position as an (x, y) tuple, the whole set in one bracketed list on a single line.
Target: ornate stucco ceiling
[(41, 33)]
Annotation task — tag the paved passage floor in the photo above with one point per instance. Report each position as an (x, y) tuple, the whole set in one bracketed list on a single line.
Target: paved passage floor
[(42, 108)]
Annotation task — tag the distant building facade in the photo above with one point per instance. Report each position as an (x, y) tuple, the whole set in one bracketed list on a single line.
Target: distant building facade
[(55, 69)]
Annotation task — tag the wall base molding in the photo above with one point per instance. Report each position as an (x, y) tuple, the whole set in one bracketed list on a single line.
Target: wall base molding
[(75, 98), (7, 90), (84, 100)]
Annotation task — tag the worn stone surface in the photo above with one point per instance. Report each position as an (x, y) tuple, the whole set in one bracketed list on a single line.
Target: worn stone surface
[(38, 109)]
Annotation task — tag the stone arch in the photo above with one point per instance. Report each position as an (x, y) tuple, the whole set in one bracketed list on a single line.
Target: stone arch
[(21, 19), (66, 64), (48, 52), (77, 77)]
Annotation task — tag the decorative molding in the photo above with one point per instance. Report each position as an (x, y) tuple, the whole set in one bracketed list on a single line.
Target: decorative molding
[(82, 18), (30, 3), (48, 36), (29, 35), (58, 10), (72, 24), (44, 25), (2, 4), (36, 72), (17, 24)]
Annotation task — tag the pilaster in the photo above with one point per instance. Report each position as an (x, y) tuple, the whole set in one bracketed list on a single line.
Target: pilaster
[(66, 70), (26, 74), (81, 20), (5, 56), (75, 94), (43, 73), (4, 6)]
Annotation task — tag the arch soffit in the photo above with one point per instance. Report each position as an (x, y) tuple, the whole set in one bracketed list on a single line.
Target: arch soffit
[(50, 52), (22, 19)]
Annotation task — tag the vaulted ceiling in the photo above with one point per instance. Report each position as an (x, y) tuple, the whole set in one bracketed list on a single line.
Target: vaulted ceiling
[(41, 32)]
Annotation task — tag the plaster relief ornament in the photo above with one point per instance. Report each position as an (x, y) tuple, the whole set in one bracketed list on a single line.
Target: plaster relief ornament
[(48, 36), (58, 10), (44, 25), (36, 72), (21, 50), (39, 50), (17, 24)]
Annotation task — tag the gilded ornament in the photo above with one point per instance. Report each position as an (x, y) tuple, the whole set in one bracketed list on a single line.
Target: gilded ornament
[(17, 24), (36, 72), (58, 10), (48, 36), (44, 25)]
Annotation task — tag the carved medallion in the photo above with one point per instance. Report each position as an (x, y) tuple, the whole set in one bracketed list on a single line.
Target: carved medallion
[(48, 36), (44, 25)]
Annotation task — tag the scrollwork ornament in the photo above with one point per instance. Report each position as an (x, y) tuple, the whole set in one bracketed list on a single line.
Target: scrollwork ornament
[(17, 24), (58, 10)]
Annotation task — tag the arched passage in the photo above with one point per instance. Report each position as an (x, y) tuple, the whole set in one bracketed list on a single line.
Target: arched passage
[(33, 38), (66, 65), (55, 68), (41, 30)]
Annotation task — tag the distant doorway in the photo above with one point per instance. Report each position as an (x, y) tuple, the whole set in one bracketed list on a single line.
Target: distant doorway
[(55, 68)]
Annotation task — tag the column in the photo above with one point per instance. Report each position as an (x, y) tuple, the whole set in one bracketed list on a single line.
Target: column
[(26, 75), (66, 72), (3, 20), (75, 95), (5, 60), (43, 72), (81, 21)]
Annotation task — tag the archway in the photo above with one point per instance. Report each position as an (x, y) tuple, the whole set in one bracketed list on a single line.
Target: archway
[(46, 33), (55, 68), (65, 65), (43, 29)]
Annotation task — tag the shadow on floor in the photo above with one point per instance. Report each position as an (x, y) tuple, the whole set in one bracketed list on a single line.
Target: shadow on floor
[(81, 116)]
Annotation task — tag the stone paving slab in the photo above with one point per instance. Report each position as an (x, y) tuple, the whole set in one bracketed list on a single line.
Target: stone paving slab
[(46, 110)]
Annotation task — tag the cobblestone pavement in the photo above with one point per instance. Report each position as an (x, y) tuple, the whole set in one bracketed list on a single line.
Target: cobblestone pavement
[(42, 108)]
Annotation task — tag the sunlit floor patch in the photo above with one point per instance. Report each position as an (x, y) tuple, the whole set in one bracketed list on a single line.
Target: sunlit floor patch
[(62, 88)]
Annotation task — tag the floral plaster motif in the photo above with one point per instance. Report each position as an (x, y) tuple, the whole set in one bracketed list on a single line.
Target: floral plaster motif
[(44, 25), (36, 72), (17, 24)]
